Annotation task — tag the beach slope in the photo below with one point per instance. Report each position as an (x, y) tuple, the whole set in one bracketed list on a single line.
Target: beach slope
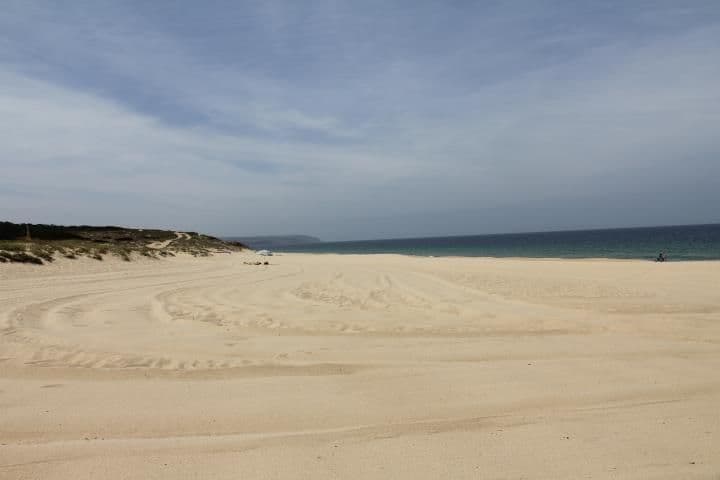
[(376, 366)]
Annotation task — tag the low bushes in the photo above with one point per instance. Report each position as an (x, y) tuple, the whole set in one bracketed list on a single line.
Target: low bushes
[(20, 257)]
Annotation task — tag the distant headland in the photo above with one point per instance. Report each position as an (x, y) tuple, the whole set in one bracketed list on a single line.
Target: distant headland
[(275, 241)]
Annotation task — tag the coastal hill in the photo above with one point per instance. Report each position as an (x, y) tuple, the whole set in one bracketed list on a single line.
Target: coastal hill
[(275, 241), (31, 243)]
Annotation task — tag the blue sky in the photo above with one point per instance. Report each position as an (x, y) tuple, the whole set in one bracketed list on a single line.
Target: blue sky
[(352, 120)]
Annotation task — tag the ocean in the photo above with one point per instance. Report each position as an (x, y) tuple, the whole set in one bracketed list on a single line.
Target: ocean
[(689, 242)]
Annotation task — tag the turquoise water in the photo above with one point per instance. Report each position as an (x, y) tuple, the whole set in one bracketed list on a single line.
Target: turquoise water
[(693, 242)]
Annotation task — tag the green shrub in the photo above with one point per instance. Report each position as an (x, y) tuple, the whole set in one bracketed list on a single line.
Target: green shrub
[(21, 257), (12, 246), (46, 255)]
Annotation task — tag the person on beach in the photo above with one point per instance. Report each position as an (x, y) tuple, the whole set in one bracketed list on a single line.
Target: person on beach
[(660, 257)]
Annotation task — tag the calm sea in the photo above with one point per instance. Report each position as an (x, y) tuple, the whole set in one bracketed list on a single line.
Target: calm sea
[(694, 242)]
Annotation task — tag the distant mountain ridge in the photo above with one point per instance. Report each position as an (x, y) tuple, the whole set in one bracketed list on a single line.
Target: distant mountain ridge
[(274, 241)]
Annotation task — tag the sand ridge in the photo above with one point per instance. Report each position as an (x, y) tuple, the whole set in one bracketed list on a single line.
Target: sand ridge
[(329, 366)]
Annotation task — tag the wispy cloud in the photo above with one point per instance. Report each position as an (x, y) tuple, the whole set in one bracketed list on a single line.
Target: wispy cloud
[(272, 117)]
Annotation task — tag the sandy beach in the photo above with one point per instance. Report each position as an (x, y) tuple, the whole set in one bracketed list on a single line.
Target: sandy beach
[(377, 366)]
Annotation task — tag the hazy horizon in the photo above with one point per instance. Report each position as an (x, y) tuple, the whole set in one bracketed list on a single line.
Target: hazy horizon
[(349, 121), (477, 234)]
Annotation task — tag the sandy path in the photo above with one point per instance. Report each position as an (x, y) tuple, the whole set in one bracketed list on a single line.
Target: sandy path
[(360, 367), (165, 243)]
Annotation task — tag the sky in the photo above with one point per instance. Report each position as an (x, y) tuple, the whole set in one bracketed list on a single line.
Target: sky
[(359, 120)]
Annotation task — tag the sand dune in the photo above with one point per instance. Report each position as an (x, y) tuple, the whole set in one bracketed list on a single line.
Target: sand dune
[(376, 366)]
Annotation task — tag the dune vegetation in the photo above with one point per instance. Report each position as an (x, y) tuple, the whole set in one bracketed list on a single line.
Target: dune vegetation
[(38, 244)]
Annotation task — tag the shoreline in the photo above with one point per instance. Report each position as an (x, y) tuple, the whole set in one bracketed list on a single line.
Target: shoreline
[(410, 255), (109, 264)]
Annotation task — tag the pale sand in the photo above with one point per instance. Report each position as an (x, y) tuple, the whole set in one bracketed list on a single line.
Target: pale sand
[(360, 367)]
